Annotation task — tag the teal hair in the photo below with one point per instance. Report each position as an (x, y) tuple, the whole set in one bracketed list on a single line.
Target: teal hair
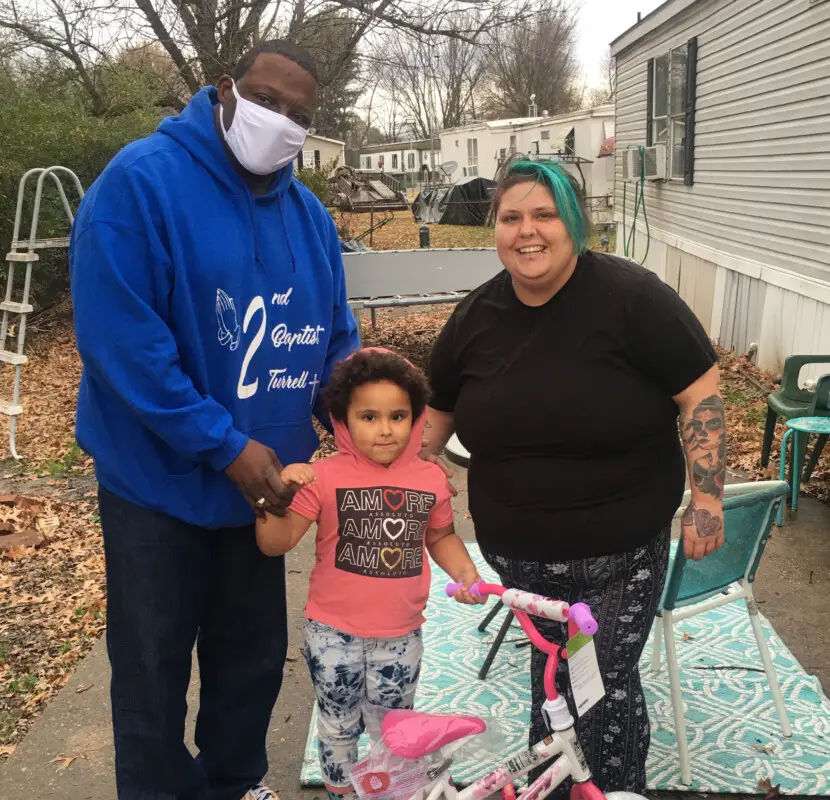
[(553, 177)]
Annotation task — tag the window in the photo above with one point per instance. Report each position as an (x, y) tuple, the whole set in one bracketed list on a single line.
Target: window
[(503, 154), (368, 162), (306, 160), (472, 158), (545, 135), (472, 152), (411, 161), (671, 108), (394, 160), (513, 146)]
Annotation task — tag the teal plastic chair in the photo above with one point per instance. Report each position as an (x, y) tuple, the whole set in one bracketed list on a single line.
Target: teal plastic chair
[(790, 401), (723, 577), (822, 409)]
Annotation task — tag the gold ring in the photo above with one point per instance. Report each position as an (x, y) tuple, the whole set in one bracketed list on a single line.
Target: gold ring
[(261, 502)]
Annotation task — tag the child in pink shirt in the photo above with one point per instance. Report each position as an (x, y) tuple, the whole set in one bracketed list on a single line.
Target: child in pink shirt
[(378, 507)]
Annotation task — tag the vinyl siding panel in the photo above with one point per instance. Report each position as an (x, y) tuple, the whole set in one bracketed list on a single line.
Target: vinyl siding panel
[(743, 306), (762, 143)]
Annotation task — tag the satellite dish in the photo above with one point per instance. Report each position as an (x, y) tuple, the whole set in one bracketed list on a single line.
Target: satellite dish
[(448, 167)]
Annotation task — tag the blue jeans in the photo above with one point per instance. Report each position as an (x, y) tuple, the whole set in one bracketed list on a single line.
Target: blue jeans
[(171, 585)]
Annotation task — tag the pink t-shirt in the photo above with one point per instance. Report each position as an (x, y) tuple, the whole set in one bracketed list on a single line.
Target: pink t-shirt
[(371, 575)]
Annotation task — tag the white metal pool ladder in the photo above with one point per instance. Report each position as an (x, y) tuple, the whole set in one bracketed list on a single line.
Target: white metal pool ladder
[(25, 252)]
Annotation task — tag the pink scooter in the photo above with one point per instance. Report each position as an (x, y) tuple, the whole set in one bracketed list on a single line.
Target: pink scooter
[(413, 735)]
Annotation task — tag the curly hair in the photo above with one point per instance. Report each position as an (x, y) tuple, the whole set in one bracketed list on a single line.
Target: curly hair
[(370, 366)]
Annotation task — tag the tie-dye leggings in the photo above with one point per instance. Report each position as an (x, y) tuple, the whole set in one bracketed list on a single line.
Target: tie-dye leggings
[(350, 673), (623, 591)]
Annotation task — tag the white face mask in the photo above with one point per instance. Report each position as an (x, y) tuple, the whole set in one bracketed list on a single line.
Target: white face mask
[(263, 141)]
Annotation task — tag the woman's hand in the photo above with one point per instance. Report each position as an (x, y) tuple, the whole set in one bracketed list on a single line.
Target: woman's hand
[(438, 429), (702, 528), (434, 459), (298, 474)]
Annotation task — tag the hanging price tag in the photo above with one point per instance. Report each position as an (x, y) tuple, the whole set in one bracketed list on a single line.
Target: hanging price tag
[(583, 669)]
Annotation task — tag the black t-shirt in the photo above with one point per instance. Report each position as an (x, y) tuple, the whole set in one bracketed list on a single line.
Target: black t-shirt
[(567, 409)]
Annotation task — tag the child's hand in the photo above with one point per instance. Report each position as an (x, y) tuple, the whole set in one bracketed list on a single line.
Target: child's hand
[(298, 474), (463, 595)]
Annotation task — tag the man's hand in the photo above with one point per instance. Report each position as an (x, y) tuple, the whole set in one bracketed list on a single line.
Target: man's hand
[(256, 473), (702, 530)]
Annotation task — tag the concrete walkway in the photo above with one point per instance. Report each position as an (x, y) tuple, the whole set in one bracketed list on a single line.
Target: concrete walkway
[(793, 589)]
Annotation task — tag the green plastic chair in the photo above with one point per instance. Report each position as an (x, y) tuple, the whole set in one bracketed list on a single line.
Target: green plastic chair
[(791, 401)]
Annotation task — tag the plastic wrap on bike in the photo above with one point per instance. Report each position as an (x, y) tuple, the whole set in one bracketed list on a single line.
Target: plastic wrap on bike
[(387, 775), (535, 604)]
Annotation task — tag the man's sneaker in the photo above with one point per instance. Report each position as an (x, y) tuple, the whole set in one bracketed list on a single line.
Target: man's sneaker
[(261, 793)]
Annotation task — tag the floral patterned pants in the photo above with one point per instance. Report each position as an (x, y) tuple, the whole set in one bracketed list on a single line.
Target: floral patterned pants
[(350, 673), (623, 592)]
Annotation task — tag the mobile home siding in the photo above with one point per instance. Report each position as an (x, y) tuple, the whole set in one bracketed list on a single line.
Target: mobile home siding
[(762, 136)]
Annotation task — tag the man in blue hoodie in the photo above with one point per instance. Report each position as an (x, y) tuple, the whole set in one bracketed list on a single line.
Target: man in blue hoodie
[(210, 308)]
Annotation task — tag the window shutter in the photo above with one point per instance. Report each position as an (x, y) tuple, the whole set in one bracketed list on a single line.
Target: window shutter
[(317, 159), (650, 103), (691, 91), (300, 160)]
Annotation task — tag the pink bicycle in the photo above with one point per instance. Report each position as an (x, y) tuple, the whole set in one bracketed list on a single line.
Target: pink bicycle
[(413, 737)]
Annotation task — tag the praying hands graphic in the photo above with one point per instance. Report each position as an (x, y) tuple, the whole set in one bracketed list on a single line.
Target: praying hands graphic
[(226, 319)]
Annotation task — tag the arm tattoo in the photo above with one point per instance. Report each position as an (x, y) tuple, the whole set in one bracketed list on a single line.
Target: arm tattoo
[(706, 524), (704, 437)]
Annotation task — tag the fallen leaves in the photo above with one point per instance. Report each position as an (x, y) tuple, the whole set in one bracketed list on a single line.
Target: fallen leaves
[(745, 389), (771, 792), (767, 749), (63, 761), (49, 386), (402, 232), (18, 529), (52, 610)]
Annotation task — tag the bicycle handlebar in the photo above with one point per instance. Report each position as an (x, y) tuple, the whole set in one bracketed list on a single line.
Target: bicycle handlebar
[(534, 604)]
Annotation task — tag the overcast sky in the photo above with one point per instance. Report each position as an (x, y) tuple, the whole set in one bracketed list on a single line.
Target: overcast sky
[(601, 21)]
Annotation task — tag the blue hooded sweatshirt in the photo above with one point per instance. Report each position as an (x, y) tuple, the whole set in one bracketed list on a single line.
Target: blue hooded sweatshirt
[(204, 315)]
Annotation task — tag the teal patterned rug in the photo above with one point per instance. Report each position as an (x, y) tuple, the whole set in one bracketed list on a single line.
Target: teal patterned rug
[(731, 724)]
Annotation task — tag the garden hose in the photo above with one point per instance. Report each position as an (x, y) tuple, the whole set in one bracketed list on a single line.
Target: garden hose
[(630, 240)]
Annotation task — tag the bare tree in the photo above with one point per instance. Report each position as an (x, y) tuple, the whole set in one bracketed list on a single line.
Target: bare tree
[(205, 38), (607, 90), (534, 57), (432, 81), (84, 33), (152, 62), (608, 71), (214, 33)]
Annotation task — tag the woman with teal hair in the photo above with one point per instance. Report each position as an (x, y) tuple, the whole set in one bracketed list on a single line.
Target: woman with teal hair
[(564, 377)]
